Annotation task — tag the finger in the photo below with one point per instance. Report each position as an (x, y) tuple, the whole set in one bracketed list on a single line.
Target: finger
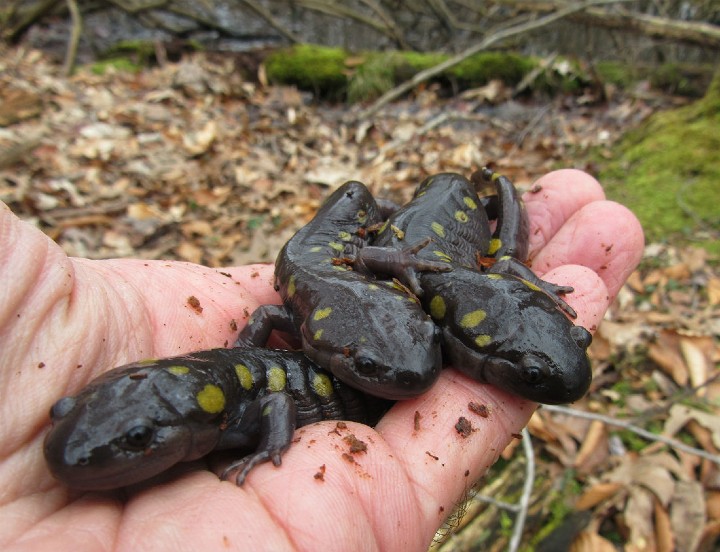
[(603, 236), (258, 280), (558, 196)]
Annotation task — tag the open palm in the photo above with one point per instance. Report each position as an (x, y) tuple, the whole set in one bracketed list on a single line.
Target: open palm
[(63, 321)]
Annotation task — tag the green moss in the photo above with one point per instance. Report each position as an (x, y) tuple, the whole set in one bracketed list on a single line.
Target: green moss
[(560, 507), (483, 67), (668, 170), (671, 78), (325, 71), (617, 73), (118, 64), (374, 77), (316, 68)]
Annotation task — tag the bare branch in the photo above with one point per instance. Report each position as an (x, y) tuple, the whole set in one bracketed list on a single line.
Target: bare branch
[(274, 23), (480, 46), (75, 33), (674, 443)]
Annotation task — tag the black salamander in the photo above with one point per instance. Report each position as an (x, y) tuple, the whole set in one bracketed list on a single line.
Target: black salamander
[(503, 326), (138, 420), (372, 335)]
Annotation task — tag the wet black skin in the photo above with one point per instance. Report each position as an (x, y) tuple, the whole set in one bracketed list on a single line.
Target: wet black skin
[(138, 420), (524, 344), (371, 335)]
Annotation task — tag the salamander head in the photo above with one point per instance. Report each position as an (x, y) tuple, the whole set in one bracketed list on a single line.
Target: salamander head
[(386, 352), (117, 431)]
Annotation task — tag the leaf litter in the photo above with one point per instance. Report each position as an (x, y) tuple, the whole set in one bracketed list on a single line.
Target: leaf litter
[(190, 161)]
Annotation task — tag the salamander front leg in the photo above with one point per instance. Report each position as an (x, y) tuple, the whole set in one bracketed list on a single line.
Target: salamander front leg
[(277, 425), (402, 263), (262, 322)]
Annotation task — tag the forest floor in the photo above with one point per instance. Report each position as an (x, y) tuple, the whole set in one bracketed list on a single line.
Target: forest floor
[(188, 161)]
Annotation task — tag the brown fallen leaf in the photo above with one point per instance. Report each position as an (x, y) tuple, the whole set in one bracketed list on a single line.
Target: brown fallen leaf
[(593, 449), (597, 494), (687, 515), (665, 352), (663, 530), (590, 541)]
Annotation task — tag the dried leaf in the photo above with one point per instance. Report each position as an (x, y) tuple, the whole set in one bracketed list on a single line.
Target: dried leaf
[(665, 352), (197, 143), (687, 515), (638, 516), (663, 530), (596, 494), (594, 448), (590, 541), (680, 415)]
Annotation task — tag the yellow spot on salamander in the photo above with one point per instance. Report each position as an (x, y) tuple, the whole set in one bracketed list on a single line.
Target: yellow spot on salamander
[(211, 399), (318, 334), (461, 216), (322, 313), (442, 256), (178, 370), (530, 285), (383, 227), (344, 236), (341, 268), (495, 244), (336, 246), (362, 216), (399, 233), (470, 202), (494, 176), (437, 307), (147, 362), (373, 286), (472, 319), (363, 339), (322, 385), (483, 340), (316, 249), (276, 378), (495, 276), (244, 376), (291, 286), (438, 229)]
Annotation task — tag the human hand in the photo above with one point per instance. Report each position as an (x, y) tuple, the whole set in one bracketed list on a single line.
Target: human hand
[(63, 321)]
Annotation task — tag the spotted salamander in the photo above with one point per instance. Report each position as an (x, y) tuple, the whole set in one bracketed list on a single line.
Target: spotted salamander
[(373, 335), (138, 420), (501, 326)]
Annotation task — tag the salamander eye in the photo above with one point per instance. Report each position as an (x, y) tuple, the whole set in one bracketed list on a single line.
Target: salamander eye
[(138, 437), (366, 366), (534, 370)]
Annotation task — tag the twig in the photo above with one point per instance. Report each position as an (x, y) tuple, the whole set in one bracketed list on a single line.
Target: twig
[(674, 443), (521, 508), (422, 76), (274, 23), (524, 503), (74, 41), (393, 27)]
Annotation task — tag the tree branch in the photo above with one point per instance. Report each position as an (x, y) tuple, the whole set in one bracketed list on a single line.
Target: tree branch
[(75, 34), (422, 76)]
